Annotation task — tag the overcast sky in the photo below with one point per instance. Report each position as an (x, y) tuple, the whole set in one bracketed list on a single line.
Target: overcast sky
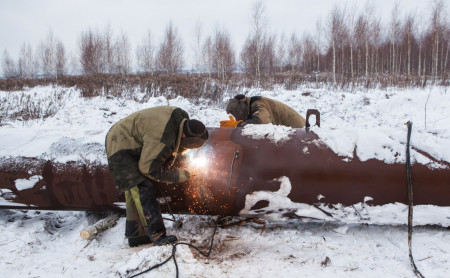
[(30, 20)]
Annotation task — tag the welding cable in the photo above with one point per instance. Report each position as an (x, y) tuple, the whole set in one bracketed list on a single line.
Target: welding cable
[(219, 217), (410, 201)]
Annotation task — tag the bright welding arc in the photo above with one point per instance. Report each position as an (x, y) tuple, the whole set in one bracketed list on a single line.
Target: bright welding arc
[(197, 161)]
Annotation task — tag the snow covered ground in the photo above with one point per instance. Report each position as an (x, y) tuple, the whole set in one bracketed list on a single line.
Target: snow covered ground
[(369, 124)]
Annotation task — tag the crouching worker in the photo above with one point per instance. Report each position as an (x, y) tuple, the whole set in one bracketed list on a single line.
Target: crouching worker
[(141, 150), (262, 110)]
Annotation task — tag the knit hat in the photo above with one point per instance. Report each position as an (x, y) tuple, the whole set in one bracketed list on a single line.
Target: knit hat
[(195, 128), (237, 107), (196, 135)]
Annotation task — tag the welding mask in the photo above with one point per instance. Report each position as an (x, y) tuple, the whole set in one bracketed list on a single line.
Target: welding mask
[(191, 143)]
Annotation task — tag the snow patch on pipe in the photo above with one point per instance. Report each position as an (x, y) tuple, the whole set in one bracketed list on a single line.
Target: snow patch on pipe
[(359, 213), (384, 144), (23, 184), (274, 133), (279, 204), (6, 197)]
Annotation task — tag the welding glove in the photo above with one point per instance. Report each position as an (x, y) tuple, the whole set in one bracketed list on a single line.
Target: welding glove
[(183, 175), (231, 123)]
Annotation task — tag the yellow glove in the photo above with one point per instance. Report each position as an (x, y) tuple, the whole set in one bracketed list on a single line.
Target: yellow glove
[(183, 175), (231, 123)]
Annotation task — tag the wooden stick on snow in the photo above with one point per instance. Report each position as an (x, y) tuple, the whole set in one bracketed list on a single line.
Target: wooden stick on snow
[(102, 225)]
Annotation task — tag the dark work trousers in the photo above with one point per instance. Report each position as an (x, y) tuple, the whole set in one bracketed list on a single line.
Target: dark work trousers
[(143, 213)]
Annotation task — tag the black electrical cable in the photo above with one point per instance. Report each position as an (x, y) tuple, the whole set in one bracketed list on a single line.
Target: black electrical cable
[(410, 201), (174, 245)]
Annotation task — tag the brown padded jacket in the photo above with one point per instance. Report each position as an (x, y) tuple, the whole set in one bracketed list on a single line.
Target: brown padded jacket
[(262, 110), (145, 144)]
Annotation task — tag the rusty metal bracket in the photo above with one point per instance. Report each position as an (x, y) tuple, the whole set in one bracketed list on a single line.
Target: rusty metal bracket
[(312, 112)]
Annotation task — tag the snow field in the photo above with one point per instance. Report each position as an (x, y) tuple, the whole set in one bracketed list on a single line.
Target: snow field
[(371, 123)]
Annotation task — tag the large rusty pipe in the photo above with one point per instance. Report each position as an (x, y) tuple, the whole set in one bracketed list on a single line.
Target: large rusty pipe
[(316, 174)]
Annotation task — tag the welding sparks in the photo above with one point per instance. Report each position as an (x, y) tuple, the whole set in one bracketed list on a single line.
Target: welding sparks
[(205, 190)]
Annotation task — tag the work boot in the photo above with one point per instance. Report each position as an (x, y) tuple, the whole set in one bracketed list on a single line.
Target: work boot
[(140, 240), (164, 239)]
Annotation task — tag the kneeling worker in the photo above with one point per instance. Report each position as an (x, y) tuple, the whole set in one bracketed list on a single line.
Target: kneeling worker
[(263, 110), (141, 150)]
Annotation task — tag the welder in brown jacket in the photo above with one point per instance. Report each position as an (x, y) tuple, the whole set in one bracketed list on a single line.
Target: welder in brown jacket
[(262, 110), (141, 150)]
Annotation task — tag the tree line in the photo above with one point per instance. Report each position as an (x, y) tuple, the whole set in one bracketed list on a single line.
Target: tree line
[(348, 45)]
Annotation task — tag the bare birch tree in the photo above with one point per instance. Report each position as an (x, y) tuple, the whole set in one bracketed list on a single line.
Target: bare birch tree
[(91, 52), (8, 65), (144, 54), (335, 22), (394, 28), (207, 55), (121, 54), (47, 55), (294, 53), (26, 63), (437, 19), (108, 53), (73, 64), (369, 11), (308, 53), (444, 72), (170, 54), (223, 56), (259, 25), (409, 30), (248, 57), (60, 59), (197, 46), (281, 53), (351, 37), (268, 57), (318, 40), (421, 36)]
